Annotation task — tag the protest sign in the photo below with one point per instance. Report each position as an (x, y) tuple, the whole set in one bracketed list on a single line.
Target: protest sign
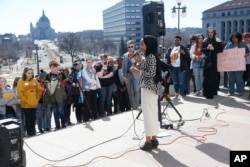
[(231, 60)]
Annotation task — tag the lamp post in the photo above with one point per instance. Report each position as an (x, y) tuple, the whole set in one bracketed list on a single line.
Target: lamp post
[(184, 13), (37, 61)]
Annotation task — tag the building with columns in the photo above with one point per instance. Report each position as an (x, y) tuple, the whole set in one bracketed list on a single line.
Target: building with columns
[(42, 29), (228, 17)]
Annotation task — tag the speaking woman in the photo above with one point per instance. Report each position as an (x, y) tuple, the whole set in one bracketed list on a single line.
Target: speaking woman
[(150, 89)]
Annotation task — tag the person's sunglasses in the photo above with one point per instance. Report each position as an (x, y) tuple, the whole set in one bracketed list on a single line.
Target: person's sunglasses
[(130, 46)]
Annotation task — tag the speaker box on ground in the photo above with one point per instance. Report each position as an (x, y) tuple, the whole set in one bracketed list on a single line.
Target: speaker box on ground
[(11, 144), (153, 18)]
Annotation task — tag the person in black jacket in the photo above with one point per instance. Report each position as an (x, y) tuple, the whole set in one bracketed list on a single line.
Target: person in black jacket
[(122, 93), (105, 74), (213, 46), (178, 58)]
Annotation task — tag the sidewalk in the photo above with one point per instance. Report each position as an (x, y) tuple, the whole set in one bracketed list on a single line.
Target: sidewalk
[(203, 141)]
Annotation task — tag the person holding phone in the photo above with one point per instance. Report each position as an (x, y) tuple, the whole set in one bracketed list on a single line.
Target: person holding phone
[(105, 75)]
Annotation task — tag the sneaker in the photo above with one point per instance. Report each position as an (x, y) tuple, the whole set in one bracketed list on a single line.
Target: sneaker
[(47, 129), (182, 97), (41, 130), (230, 94), (239, 94), (197, 93), (176, 95)]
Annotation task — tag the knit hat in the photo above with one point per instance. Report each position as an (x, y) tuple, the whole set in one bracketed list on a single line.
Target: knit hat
[(42, 74)]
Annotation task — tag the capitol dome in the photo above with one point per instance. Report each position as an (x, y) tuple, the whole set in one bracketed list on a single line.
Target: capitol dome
[(42, 30)]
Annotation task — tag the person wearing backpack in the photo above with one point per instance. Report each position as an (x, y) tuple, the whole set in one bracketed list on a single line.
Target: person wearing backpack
[(151, 88)]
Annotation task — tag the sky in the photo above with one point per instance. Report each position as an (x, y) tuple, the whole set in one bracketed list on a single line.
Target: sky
[(80, 15)]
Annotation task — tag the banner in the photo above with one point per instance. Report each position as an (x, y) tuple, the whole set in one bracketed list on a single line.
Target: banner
[(231, 60)]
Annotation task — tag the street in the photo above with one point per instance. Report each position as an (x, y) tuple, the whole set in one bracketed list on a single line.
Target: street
[(48, 52)]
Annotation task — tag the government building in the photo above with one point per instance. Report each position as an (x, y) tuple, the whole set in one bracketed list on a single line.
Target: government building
[(228, 17), (123, 19), (42, 29)]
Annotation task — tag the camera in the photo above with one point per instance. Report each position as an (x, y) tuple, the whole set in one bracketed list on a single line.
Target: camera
[(203, 49), (74, 69), (73, 73)]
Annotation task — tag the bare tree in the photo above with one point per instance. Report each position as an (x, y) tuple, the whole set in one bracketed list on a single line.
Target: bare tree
[(71, 44), (9, 52), (109, 47)]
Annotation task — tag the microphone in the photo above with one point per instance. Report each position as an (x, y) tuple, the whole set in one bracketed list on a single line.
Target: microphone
[(135, 54)]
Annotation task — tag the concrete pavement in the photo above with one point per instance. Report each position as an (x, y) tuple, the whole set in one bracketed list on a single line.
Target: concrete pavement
[(202, 141)]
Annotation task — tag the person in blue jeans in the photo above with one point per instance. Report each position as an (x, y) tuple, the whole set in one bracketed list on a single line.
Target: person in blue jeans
[(197, 57), (105, 75), (43, 113), (236, 77), (132, 81), (178, 58), (55, 94)]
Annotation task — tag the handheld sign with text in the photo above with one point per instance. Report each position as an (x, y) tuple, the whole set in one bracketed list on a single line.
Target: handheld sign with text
[(231, 60)]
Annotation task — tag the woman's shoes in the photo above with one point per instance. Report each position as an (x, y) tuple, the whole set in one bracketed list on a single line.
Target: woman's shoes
[(147, 146), (155, 143)]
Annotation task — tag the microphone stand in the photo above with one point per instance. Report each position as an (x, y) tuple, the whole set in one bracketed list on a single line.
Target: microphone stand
[(84, 97)]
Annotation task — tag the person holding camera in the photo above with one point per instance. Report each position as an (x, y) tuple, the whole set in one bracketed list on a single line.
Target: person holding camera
[(76, 79), (105, 75)]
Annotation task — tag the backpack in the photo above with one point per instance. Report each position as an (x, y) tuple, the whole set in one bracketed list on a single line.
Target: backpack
[(161, 66)]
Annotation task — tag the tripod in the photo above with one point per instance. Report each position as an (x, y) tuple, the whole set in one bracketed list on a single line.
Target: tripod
[(168, 102)]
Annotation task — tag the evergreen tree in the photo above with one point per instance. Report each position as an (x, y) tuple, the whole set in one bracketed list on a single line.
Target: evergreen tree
[(123, 48)]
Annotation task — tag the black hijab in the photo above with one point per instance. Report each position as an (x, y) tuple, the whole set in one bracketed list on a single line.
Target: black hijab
[(151, 43)]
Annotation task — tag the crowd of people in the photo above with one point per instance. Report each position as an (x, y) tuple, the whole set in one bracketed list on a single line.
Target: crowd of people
[(92, 91), (117, 85), (198, 61)]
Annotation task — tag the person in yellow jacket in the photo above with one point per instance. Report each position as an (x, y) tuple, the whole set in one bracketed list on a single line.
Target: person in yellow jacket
[(29, 92)]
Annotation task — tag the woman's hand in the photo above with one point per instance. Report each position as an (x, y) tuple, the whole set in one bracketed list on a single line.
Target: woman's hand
[(135, 70), (137, 57)]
